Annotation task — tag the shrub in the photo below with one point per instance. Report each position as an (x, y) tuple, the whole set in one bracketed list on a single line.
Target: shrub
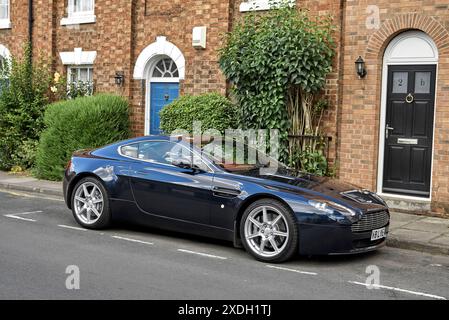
[(213, 110), (277, 63), (309, 161), (23, 97), (81, 123)]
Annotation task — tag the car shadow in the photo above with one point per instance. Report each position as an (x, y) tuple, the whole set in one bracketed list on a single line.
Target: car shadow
[(170, 235), (196, 239)]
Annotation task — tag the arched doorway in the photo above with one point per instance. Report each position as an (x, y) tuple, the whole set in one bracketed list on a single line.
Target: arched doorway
[(164, 88), (407, 116), (162, 66)]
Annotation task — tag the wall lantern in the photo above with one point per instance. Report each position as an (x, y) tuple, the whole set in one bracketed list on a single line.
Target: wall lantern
[(360, 67), (119, 78)]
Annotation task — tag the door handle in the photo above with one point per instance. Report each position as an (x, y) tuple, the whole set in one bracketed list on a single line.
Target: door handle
[(387, 131)]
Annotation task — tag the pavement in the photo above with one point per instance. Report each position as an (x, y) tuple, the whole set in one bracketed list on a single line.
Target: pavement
[(407, 231), (29, 184), (44, 254)]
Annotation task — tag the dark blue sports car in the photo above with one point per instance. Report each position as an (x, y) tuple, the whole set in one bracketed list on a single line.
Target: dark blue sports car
[(273, 215)]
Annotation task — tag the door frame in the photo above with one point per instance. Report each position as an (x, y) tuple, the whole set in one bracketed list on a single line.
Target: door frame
[(390, 59), (148, 81)]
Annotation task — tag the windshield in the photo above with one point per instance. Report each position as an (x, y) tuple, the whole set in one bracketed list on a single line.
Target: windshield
[(236, 156)]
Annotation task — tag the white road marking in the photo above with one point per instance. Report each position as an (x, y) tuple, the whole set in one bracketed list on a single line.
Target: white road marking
[(436, 265), (16, 216), (70, 227), (133, 240), (293, 270), (400, 290), (19, 218), (202, 254)]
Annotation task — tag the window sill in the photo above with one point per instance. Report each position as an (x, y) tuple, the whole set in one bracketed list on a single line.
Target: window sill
[(78, 20), (254, 5), (5, 24)]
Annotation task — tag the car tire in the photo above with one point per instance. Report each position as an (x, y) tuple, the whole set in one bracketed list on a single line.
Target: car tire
[(90, 204), (269, 231)]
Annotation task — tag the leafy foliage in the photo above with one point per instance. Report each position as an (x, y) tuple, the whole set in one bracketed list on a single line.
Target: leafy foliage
[(313, 162), (213, 110), (62, 89), (277, 62), (81, 123), (23, 97)]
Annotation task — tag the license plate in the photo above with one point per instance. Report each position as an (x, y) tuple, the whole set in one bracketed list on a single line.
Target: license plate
[(378, 234)]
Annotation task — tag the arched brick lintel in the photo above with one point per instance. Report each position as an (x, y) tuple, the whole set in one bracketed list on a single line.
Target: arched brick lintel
[(379, 40)]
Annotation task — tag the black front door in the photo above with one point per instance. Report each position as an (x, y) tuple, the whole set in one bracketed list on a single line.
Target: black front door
[(409, 129)]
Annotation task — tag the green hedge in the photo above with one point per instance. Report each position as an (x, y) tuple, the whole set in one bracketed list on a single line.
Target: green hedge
[(82, 123), (213, 110)]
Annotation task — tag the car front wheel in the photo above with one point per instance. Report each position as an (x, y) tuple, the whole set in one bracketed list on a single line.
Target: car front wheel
[(269, 231), (90, 204)]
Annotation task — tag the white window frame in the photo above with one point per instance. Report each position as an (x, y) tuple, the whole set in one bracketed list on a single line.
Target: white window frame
[(5, 23), (90, 71), (259, 5), (78, 17)]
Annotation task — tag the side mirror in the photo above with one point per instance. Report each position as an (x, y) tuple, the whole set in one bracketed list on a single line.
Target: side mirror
[(183, 163)]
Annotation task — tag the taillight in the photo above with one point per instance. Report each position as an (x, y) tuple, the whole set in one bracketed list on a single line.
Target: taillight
[(69, 164)]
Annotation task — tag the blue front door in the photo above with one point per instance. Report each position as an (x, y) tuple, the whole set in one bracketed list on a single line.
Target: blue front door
[(161, 95)]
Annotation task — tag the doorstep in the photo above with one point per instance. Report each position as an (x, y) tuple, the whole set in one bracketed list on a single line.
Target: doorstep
[(407, 204)]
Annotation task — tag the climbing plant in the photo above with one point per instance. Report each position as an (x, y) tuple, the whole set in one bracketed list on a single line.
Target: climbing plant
[(277, 63)]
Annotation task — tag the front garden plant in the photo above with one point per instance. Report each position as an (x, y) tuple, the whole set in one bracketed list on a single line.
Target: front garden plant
[(277, 63), (81, 123), (23, 97)]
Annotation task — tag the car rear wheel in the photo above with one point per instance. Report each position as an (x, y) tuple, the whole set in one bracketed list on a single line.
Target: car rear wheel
[(269, 231), (90, 204)]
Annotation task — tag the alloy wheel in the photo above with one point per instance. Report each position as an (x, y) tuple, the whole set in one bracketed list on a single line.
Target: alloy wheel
[(266, 231), (88, 203)]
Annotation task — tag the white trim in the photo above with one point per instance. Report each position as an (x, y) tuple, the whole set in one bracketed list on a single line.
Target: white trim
[(4, 52), (161, 47), (165, 80), (393, 56), (78, 19), (81, 17), (260, 5), (6, 22), (145, 64), (78, 57)]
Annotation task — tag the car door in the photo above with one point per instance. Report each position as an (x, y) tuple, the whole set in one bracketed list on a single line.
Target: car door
[(163, 189)]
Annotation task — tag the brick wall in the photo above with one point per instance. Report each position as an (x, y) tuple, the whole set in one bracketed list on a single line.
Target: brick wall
[(176, 20), (125, 27), (360, 109), (16, 37)]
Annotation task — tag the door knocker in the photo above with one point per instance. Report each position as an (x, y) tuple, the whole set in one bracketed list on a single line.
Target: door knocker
[(409, 98), (166, 97)]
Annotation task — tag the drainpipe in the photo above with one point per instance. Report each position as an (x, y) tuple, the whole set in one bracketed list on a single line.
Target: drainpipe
[(30, 27)]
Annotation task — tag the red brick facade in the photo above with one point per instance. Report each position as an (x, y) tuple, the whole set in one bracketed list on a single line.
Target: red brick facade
[(124, 28)]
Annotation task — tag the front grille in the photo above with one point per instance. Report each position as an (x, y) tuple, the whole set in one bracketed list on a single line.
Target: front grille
[(371, 221)]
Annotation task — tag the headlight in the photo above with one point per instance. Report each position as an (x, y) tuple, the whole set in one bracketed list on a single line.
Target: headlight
[(378, 198), (331, 207)]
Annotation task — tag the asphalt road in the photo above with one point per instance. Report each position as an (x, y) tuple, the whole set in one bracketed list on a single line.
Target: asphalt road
[(39, 239)]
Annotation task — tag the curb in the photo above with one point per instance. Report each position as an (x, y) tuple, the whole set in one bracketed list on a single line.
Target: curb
[(394, 242), (40, 190)]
